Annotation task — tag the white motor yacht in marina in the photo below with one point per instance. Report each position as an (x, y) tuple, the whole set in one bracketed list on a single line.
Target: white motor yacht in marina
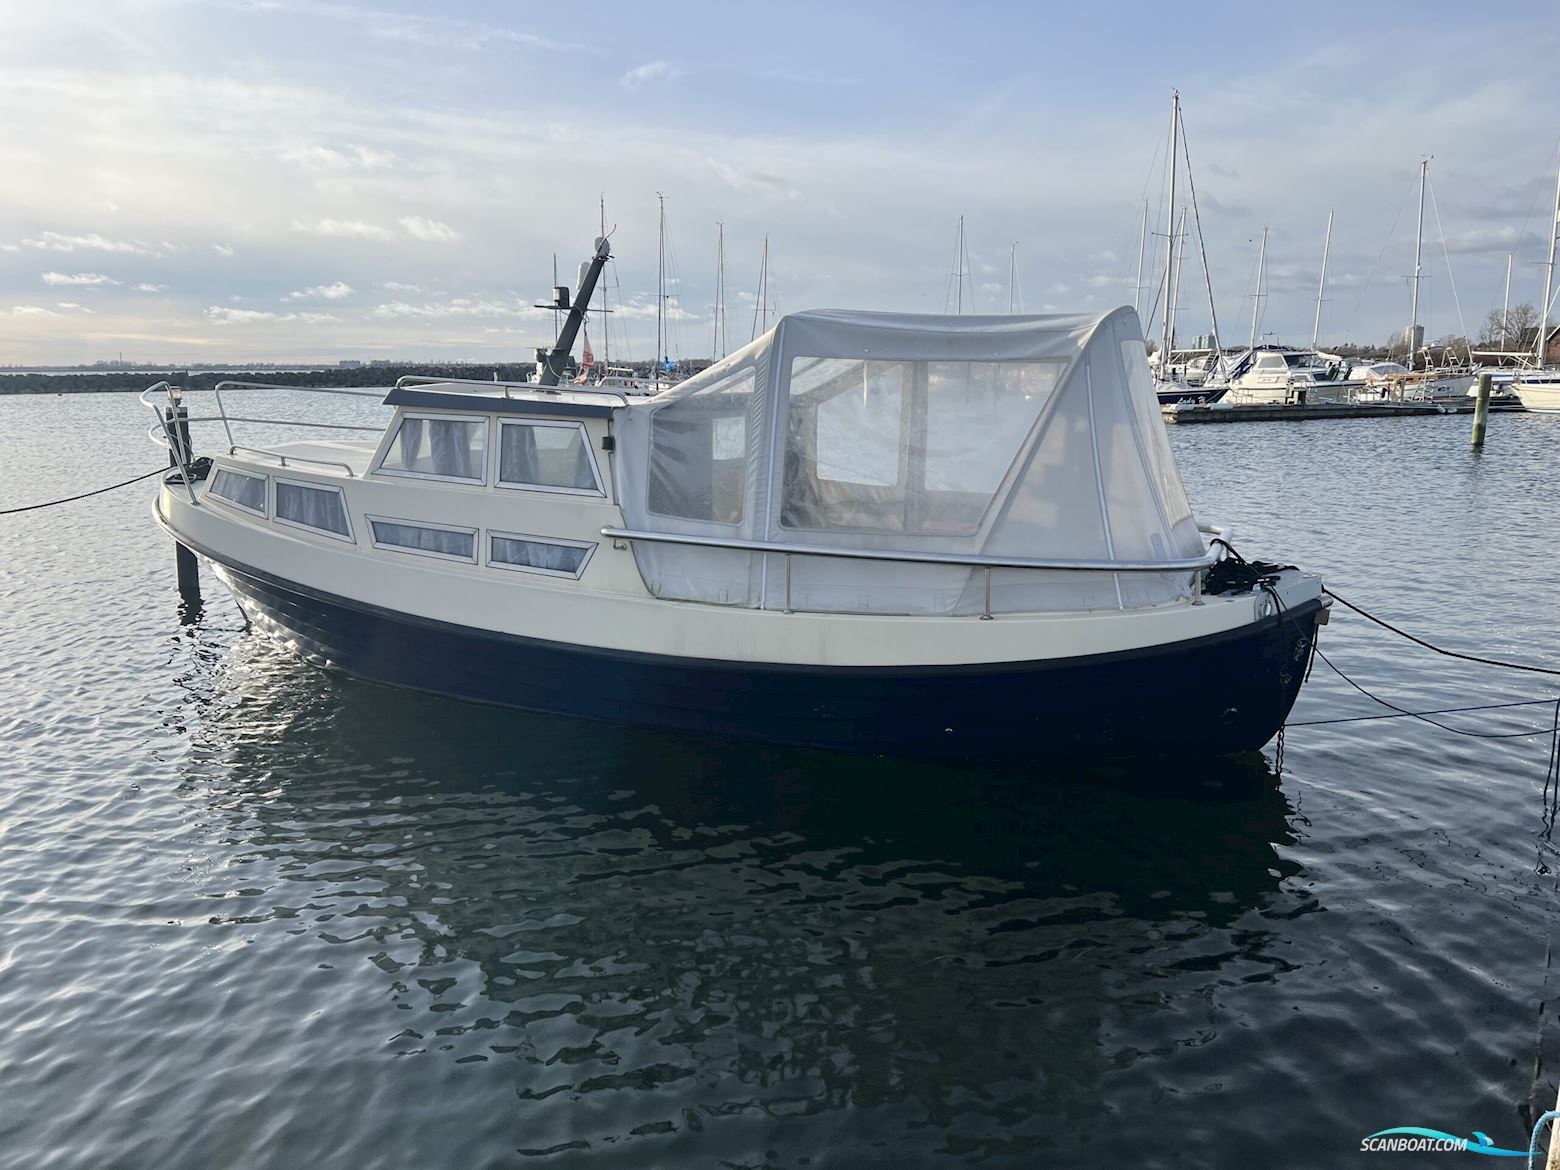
[(944, 536)]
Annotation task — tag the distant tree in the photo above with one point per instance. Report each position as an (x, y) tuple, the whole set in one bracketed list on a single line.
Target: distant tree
[(1510, 330), (1493, 330), (1521, 321)]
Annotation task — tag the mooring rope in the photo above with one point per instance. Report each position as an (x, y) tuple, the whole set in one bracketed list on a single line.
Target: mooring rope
[(71, 499)]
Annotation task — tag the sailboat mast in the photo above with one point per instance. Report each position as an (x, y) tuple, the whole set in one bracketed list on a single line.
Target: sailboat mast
[(606, 321), (660, 287), (1321, 287), (958, 261), (1012, 274), (761, 305), (1505, 305), (1549, 280), (1137, 291), (1175, 138), (1256, 296), (1180, 267), (719, 346), (1419, 244)]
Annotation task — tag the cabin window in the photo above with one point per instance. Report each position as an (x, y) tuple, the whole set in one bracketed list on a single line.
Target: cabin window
[(243, 491), (434, 540), (537, 554), (439, 448), (316, 508), (553, 457), (915, 447), (698, 452)]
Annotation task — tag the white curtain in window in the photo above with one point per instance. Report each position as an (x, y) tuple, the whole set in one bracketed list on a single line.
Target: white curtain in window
[(545, 456), (316, 507), (421, 537), (440, 446), (537, 554)]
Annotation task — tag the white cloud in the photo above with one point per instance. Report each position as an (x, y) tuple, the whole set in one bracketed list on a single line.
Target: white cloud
[(651, 72), (344, 158), (1483, 239), (223, 315), (421, 228), (750, 182), (347, 229), (72, 307), (33, 311), (149, 288), (84, 279), (397, 286), (459, 307), (92, 242), (223, 250), (337, 291)]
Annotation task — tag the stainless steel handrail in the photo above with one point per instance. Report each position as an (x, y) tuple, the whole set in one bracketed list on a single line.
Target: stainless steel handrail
[(969, 560), (340, 391), (414, 380), (174, 448), (162, 435), (283, 458), (1194, 565)]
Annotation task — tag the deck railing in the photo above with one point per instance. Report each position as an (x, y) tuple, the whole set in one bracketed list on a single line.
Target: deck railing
[(1195, 565), (171, 430)]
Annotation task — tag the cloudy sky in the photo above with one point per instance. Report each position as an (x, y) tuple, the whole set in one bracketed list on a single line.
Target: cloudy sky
[(306, 179)]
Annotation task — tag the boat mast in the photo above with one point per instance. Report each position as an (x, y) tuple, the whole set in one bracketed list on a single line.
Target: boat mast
[(1316, 327), (1549, 280), (1175, 138), (660, 289), (719, 345), (1256, 296), (958, 265), (1202, 250), (1180, 267), (1419, 243), (606, 321), (1505, 305), (1137, 292), (552, 369), (761, 304), (1012, 274)]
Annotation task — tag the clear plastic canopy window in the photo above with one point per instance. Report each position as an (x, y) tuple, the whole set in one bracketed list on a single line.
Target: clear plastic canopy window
[(1024, 437)]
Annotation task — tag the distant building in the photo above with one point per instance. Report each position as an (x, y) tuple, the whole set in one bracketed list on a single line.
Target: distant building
[(350, 364), (380, 362)]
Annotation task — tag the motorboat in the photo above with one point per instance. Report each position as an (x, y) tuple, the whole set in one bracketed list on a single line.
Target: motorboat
[(1538, 390), (1283, 376), (932, 536)]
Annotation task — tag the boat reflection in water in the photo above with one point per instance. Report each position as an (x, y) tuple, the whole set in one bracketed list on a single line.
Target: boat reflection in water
[(549, 935)]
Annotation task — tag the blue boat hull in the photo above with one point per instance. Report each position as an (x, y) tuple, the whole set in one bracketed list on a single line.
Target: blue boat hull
[(1224, 693)]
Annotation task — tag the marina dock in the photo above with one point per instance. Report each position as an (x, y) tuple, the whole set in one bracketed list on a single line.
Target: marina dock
[(1181, 415)]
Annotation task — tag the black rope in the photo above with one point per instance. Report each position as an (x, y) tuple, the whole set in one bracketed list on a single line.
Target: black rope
[(1424, 717), (1386, 625), (84, 495), (1436, 711)]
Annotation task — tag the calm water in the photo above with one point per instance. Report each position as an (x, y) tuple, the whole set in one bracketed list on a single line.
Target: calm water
[(254, 915)]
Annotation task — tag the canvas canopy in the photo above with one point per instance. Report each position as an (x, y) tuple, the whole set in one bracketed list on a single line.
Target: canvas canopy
[(1019, 437)]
